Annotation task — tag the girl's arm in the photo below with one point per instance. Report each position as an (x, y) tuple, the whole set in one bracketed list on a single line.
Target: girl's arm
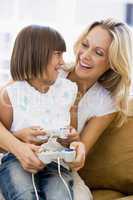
[(29, 135)]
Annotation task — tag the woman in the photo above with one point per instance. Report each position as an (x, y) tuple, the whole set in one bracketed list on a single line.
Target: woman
[(104, 54), (102, 72)]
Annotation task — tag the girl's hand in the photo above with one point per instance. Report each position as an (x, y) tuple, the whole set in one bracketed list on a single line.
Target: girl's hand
[(73, 135), (79, 162), (30, 135)]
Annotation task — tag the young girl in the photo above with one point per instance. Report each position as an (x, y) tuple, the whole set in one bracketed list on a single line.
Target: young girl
[(37, 97)]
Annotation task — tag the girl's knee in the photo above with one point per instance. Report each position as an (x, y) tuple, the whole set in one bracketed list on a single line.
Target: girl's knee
[(60, 191), (26, 195)]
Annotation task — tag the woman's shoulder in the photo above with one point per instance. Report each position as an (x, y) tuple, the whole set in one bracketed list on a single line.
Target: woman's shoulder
[(100, 96), (97, 90), (99, 100)]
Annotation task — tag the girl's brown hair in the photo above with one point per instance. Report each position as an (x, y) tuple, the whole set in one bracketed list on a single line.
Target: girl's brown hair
[(32, 51)]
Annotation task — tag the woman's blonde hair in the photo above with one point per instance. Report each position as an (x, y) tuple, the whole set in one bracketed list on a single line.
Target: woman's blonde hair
[(118, 78)]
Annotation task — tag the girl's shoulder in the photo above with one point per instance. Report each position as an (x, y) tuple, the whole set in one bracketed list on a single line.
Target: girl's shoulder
[(10, 82), (65, 84), (65, 90), (14, 84)]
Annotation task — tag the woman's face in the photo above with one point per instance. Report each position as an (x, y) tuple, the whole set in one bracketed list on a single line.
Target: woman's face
[(92, 55), (53, 67)]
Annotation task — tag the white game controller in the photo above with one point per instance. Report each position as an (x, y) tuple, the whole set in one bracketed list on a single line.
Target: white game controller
[(68, 155), (58, 133)]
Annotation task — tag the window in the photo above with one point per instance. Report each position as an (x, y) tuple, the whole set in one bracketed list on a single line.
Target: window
[(129, 14)]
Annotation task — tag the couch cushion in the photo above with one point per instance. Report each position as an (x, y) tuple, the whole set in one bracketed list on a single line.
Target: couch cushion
[(126, 198), (110, 164), (106, 195), (130, 106)]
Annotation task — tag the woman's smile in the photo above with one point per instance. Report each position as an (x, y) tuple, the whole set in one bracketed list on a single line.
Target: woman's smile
[(84, 65)]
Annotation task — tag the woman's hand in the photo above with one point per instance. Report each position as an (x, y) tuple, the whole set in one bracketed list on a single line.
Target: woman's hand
[(72, 136), (31, 135), (79, 161), (27, 155)]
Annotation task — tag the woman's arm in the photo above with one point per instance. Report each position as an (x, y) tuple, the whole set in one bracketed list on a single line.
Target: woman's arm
[(90, 134), (79, 161), (6, 111), (94, 129), (24, 152)]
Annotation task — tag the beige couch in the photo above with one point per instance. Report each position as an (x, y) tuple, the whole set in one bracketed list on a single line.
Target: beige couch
[(109, 167)]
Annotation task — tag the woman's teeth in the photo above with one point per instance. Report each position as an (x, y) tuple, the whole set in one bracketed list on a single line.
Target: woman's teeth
[(85, 65)]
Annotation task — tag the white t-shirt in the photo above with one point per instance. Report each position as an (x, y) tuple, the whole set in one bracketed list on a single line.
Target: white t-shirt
[(97, 101), (50, 110)]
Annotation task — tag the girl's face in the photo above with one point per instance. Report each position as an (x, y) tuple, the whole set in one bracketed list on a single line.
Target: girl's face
[(53, 67), (92, 56)]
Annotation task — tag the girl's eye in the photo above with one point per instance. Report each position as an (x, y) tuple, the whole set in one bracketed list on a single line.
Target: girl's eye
[(58, 53)]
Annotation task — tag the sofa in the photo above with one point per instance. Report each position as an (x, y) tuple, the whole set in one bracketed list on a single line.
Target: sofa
[(108, 171)]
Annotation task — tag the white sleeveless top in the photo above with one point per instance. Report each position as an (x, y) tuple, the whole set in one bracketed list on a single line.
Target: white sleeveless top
[(97, 101), (49, 110)]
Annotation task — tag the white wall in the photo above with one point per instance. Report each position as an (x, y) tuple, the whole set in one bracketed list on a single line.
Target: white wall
[(70, 17)]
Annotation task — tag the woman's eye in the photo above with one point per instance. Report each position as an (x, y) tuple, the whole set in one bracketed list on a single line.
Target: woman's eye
[(99, 53)]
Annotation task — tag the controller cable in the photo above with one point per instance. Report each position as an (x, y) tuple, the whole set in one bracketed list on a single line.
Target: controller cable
[(34, 186), (63, 180)]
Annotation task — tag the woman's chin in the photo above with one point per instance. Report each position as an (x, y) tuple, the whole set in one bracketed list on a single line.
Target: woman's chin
[(81, 73)]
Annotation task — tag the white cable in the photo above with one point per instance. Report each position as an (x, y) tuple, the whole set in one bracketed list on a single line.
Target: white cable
[(63, 180), (34, 186), (59, 172)]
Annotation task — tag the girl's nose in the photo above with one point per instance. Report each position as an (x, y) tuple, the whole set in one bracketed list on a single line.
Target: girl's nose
[(62, 60)]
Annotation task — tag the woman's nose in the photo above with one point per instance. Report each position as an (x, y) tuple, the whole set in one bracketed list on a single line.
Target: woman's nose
[(86, 54)]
